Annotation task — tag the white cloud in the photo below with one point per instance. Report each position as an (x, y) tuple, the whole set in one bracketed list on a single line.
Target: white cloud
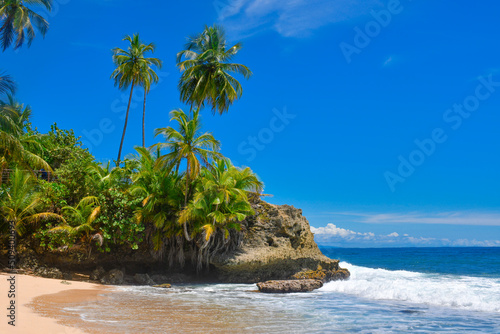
[(474, 242), (337, 236), (450, 218), (291, 18), (332, 231)]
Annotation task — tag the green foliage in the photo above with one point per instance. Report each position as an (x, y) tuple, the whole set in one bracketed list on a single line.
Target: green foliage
[(21, 203), (62, 145), (53, 240), (7, 85), (162, 198), (54, 195), (117, 219), (19, 144), (219, 204), (64, 152)]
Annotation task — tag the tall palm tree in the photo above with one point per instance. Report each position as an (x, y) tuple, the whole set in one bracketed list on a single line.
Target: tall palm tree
[(189, 144), (21, 202), (206, 71), (148, 77), (19, 21), (7, 85), (133, 69)]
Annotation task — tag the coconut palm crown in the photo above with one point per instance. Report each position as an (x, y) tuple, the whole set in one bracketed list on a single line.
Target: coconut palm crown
[(18, 22), (206, 71)]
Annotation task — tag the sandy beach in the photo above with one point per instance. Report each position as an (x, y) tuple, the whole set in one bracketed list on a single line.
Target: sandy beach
[(34, 316)]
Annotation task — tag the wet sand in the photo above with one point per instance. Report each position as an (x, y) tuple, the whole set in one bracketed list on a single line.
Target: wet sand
[(36, 315), (119, 312)]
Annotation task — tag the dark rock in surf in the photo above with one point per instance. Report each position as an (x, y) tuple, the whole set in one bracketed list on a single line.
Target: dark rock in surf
[(288, 286)]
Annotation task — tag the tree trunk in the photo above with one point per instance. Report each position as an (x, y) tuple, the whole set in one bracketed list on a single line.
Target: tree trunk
[(143, 119), (187, 187), (186, 234), (125, 125)]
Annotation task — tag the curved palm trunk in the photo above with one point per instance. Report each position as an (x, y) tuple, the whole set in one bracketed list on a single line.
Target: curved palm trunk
[(143, 119), (125, 125)]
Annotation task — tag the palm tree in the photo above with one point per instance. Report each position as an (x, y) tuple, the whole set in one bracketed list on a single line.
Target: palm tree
[(133, 69), (80, 220), (189, 144), (206, 71), (162, 200), (21, 202), (7, 85), (19, 22), (17, 144), (219, 205)]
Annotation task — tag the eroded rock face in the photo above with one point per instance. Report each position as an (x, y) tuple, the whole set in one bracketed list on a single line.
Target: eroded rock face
[(288, 286), (277, 244)]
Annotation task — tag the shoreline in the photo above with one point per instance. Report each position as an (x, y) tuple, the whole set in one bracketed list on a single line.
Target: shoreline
[(33, 295)]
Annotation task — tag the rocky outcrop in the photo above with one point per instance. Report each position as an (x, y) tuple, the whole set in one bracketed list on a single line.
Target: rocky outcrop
[(277, 244), (113, 277), (48, 272), (97, 274), (323, 275), (288, 286), (143, 279)]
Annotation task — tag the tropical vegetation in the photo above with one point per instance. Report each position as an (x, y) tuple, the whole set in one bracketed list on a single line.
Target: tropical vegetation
[(179, 198)]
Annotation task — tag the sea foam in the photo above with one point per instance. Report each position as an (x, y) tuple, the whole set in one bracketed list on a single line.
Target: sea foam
[(462, 292)]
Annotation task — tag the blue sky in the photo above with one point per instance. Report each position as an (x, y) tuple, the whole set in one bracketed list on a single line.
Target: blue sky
[(379, 118)]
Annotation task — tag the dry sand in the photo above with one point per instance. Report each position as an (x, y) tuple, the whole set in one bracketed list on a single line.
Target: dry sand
[(28, 310)]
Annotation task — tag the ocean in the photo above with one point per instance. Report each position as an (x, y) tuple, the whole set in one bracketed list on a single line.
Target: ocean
[(396, 290)]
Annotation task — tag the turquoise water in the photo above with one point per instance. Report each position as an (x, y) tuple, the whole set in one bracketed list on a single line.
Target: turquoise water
[(405, 290)]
